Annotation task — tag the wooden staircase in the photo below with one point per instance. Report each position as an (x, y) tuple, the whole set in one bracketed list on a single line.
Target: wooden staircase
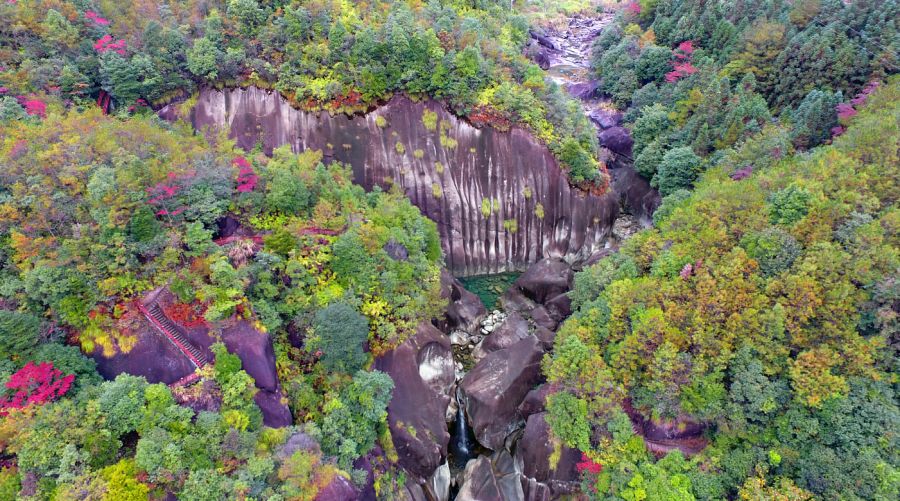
[(155, 315)]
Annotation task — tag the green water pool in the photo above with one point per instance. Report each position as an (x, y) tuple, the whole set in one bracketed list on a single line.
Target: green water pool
[(489, 287)]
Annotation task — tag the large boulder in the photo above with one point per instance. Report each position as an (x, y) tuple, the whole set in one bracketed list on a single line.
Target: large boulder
[(639, 198), (495, 387), (663, 436), (465, 310), (275, 411), (339, 489), (545, 280), (436, 488), (257, 355), (255, 350), (226, 226), (512, 330), (539, 54), (605, 118), (535, 401), (491, 479), (584, 91), (617, 139), (543, 40), (534, 451), (540, 294), (423, 372)]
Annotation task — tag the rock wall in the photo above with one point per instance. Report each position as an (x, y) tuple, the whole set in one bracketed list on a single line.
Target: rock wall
[(455, 173)]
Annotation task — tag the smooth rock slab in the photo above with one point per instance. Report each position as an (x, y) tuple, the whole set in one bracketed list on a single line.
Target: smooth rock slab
[(495, 387), (491, 479), (423, 372)]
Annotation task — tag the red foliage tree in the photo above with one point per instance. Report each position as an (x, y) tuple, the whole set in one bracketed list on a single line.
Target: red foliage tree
[(96, 18), (682, 66), (106, 43), (35, 385)]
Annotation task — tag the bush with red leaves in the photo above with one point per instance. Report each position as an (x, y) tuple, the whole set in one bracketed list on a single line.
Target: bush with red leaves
[(485, 115), (96, 18), (35, 385), (247, 178), (34, 107), (186, 315), (106, 43), (588, 465)]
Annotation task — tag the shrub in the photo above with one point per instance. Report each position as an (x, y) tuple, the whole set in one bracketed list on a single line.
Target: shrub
[(430, 119), (774, 249), (679, 169), (281, 242), (789, 205), (340, 331), (582, 166), (669, 204)]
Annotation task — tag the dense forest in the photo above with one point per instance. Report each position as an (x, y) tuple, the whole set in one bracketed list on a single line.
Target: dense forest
[(335, 55), (753, 322)]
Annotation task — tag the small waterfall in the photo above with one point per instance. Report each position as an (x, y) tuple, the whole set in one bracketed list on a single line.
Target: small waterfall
[(462, 438)]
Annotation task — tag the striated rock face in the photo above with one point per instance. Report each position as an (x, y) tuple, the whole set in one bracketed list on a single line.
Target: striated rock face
[(469, 180), (539, 474)]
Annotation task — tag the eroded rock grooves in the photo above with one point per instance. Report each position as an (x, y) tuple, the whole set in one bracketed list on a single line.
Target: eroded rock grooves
[(500, 199)]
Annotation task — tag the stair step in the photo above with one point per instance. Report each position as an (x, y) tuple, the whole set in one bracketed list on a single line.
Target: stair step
[(172, 331)]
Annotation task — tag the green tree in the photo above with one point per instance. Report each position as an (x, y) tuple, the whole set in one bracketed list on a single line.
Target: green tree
[(206, 485), (58, 31), (678, 169), (567, 415), (127, 80), (351, 422), (340, 331), (815, 117), (653, 64), (773, 248), (650, 127), (203, 59), (19, 334), (789, 205)]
